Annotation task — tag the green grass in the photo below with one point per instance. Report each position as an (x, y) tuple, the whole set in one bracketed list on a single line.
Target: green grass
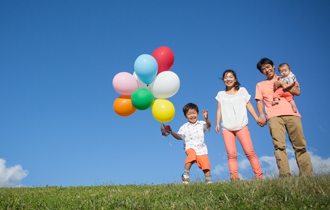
[(288, 193)]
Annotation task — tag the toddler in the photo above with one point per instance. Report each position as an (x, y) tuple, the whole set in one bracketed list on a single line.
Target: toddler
[(287, 80), (193, 134)]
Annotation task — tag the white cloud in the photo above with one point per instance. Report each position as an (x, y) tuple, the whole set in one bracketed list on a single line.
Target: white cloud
[(11, 177), (241, 176), (243, 164), (219, 169), (269, 166), (290, 152), (320, 166)]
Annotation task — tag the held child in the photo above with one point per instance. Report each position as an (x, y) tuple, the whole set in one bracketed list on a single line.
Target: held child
[(287, 80), (193, 134), (232, 105)]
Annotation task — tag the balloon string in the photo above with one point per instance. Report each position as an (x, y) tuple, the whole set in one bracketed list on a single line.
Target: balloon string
[(167, 136), (169, 141)]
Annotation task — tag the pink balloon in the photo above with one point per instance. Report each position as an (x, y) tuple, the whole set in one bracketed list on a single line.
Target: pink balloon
[(125, 83)]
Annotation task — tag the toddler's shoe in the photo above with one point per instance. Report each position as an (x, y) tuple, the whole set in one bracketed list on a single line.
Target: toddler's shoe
[(185, 178)]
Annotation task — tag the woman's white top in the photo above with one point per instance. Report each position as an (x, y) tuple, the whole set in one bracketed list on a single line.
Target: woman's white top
[(233, 109)]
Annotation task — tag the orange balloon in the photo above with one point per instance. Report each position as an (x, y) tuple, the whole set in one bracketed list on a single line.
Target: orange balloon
[(123, 106)]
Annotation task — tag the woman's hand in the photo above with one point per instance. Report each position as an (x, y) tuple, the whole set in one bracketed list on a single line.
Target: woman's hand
[(217, 127)]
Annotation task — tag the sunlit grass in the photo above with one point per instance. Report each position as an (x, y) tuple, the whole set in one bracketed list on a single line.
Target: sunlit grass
[(288, 193)]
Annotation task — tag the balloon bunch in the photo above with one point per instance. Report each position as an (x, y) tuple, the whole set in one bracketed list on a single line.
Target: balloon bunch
[(151, 79)]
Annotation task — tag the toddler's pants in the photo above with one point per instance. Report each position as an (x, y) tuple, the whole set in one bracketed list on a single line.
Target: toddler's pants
[(279, 92), (202, 161)]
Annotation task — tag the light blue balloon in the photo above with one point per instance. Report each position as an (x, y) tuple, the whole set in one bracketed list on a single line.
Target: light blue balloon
[(146, 68)]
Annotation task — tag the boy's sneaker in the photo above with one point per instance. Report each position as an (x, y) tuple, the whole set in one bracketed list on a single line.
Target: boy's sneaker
[(209, 182), (185, 179)]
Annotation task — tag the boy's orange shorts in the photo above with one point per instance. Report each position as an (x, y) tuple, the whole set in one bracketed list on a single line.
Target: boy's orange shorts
[(202, 161)]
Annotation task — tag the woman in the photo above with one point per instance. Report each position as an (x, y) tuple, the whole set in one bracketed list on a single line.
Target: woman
[(232, 105)]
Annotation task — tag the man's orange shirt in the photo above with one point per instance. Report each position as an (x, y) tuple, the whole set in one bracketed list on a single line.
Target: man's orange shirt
[(265, 92)]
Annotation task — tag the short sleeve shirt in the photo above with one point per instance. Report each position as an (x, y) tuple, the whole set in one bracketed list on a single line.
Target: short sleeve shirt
[(291, 78), (265, 91), (233, 109), (193, 135)]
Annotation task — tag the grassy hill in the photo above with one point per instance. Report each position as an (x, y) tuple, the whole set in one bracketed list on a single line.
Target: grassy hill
[(288, 193)]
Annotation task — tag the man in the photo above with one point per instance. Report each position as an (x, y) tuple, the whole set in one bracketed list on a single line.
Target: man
[(281, 118)]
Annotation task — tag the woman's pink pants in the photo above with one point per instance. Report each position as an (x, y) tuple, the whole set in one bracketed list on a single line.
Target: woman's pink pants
[(244, 137)]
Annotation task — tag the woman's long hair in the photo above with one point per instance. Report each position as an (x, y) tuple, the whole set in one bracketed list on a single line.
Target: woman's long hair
[(237, 84)]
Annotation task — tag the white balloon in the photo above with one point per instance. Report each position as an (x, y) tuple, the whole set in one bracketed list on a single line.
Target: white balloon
[(141, 84), (166, 85)]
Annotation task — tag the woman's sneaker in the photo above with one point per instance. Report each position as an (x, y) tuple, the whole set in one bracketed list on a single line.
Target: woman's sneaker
[(185, 179)]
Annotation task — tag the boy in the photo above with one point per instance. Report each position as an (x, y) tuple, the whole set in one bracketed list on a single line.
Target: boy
[(287, 80), (193, 134)]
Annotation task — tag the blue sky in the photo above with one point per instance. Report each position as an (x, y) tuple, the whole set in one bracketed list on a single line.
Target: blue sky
[(58, 59)]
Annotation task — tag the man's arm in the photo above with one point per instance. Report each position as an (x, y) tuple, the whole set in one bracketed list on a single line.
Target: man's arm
[(295, 90), (281, 83)]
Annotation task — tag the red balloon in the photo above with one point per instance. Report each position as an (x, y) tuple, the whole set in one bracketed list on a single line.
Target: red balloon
[(164, 57)]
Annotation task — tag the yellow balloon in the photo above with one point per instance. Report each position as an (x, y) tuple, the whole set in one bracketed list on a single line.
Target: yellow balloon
[(163, 110)]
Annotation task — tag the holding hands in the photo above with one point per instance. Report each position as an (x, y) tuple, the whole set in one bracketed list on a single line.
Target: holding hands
[(261, 121)]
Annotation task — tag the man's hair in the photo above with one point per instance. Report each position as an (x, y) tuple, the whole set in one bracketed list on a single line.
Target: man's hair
[(263, 62), (283, 64), (189, 106)]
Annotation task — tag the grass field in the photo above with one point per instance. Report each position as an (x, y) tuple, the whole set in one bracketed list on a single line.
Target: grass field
[(288, 193)]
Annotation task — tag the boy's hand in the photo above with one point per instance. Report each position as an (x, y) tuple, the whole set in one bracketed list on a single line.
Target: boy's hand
[(205, 114)]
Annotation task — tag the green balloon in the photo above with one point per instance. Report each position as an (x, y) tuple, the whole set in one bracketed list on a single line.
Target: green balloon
[(142, 99)]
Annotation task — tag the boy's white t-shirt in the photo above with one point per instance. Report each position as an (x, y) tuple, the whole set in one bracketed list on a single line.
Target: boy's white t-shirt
[(233, 109), (193, 135)]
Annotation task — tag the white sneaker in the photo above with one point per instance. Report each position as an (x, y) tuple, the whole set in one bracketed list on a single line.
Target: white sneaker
[(185, 179)]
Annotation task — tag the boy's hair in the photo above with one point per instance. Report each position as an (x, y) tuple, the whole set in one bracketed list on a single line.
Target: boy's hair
[(263, 62), (283, 64), (237, 84), (189, 106)]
